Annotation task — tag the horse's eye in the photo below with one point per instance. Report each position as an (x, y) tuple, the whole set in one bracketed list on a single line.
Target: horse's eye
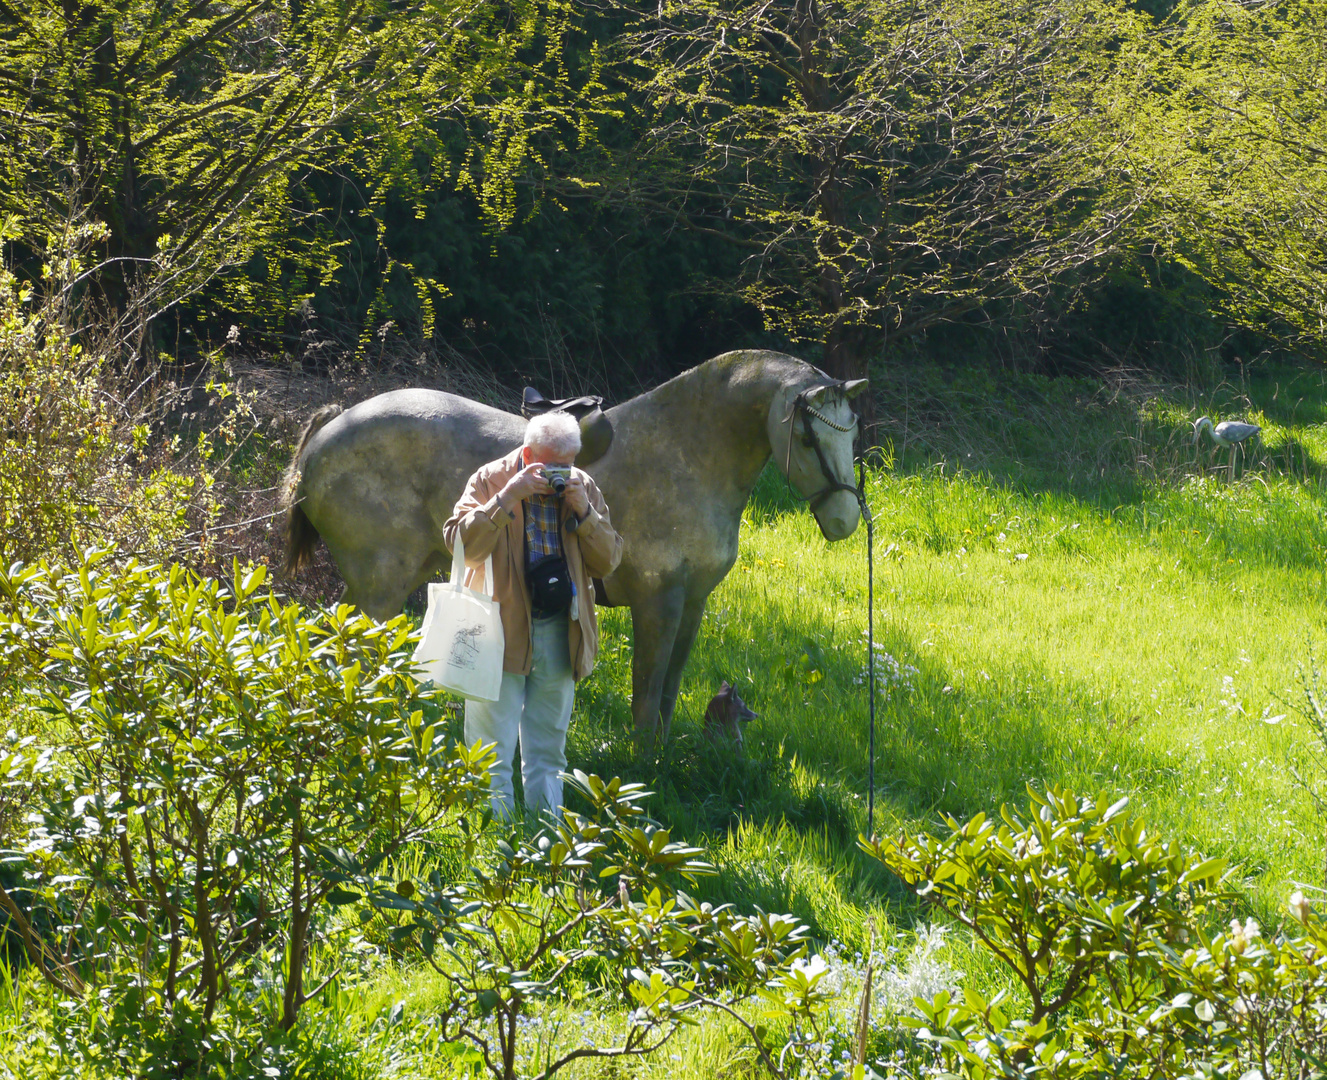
[(807, 441)]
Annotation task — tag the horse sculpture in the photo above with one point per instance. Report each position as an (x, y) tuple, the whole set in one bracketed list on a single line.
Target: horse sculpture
[(377, 481)]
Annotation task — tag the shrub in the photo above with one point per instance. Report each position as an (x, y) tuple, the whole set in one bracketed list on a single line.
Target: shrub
[(90, 451), (217, 764), (589, 898), (1106, 930)]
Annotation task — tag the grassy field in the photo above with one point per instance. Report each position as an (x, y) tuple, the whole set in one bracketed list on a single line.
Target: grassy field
[(1067, 592)]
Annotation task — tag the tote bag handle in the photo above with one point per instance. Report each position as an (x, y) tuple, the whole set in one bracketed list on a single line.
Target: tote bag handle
[(457, 579)]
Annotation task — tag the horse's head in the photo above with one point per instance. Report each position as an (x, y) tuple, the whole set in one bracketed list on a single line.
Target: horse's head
[(811, 429)]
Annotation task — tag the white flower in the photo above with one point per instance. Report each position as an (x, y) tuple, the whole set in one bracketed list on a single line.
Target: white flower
[(1241, 936), (921, 975), (1229, 698), (1299, 906), (890, 674)]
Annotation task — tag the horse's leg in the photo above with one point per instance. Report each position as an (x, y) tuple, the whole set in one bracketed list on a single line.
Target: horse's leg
[(687, 629), (654, 624)]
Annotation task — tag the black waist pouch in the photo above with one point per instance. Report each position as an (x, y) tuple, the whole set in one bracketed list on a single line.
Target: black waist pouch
[(550, 586)]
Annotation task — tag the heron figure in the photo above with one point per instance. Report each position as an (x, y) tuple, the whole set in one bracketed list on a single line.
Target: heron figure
[(1231, 433)]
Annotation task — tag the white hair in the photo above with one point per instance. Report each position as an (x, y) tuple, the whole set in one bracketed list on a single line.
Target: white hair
[(555, 431)]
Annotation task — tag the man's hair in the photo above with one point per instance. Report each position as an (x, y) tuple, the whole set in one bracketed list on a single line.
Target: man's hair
[(555, 431)]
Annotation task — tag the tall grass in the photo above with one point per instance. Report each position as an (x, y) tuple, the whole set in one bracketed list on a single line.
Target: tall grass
[(1107, 438)]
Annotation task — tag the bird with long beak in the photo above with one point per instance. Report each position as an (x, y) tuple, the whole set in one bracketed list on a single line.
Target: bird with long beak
[(1231, 433), (1226, 433)]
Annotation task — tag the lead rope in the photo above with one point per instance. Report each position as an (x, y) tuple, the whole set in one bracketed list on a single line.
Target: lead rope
[(870, 641)]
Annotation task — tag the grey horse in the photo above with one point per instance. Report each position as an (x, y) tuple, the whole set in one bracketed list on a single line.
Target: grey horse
[(377, 481)]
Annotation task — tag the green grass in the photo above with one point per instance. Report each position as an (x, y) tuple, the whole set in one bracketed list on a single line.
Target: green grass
[(1066, 592)]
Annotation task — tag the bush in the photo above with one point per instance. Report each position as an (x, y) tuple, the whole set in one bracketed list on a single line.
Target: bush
[(217, 764), (1106, 929), (225, 782), (589, 898), (87, 454)]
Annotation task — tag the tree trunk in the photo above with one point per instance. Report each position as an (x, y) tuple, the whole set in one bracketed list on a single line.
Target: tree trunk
[(843, 358), (209, 974), (108, 172)]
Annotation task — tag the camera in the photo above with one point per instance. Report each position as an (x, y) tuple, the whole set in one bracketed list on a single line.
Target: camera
[(557, 477)]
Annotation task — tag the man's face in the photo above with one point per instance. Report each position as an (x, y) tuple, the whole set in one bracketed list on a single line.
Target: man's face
[(544, 456)]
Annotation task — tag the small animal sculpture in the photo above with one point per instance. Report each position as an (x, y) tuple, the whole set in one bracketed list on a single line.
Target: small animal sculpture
[(724, 717), (1226, 433)]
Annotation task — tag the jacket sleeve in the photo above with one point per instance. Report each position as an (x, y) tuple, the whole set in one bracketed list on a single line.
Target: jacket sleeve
[(601, 546), (479, 518)]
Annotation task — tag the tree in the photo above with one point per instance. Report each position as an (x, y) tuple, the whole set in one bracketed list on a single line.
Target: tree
[(1237, 141), (185, 128), (76, 422), (887, 165)]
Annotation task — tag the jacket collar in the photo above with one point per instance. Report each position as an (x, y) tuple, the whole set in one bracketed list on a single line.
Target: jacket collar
[(513, 462)]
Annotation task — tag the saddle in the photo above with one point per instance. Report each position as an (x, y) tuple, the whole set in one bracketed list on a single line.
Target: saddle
[(596, 428)]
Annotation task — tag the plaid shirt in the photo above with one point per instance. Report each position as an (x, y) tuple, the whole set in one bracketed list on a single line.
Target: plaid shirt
[(542, 537)]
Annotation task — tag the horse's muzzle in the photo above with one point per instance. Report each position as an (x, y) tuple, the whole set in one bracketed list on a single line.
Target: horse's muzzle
[(838, 516)]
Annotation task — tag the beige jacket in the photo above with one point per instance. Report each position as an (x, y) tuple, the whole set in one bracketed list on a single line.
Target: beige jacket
[(592, 551)]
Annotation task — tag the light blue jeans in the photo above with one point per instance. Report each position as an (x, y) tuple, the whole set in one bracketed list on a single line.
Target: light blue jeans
[(534, 711)]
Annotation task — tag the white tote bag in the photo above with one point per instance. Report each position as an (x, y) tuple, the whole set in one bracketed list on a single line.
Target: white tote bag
[(462, 642)]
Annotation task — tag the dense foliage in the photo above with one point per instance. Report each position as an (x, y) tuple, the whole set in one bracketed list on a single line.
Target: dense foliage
[(611, 191), (221, 780), (89, 454), (1239, 136), (1108, 932), (211, 758), (889, 167), (191, 132)]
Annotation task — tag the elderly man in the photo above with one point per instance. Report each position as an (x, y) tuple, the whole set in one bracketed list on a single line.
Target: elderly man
[(546, 547)]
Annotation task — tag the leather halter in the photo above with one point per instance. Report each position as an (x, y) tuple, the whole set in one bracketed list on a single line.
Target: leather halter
[(801, 406)]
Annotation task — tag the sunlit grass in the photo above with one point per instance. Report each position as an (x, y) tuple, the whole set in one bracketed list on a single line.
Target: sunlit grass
[(1140, 638)]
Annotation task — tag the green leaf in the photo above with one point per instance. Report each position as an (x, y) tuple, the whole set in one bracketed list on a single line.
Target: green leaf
[(1204, 871)]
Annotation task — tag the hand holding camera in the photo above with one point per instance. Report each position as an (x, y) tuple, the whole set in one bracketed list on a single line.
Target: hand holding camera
[(557, 478), (529, 481), (567, 485), (540, 478)]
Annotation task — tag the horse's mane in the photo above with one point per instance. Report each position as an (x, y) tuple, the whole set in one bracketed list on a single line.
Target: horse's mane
[(738, 366)]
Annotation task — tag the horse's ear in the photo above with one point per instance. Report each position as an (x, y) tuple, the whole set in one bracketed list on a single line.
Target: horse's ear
[(849, 389)]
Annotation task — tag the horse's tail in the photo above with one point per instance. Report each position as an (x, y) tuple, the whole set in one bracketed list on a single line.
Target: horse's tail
[(300, 532)]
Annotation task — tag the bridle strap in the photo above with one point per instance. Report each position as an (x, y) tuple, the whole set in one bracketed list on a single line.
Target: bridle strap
[(801, 406)]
